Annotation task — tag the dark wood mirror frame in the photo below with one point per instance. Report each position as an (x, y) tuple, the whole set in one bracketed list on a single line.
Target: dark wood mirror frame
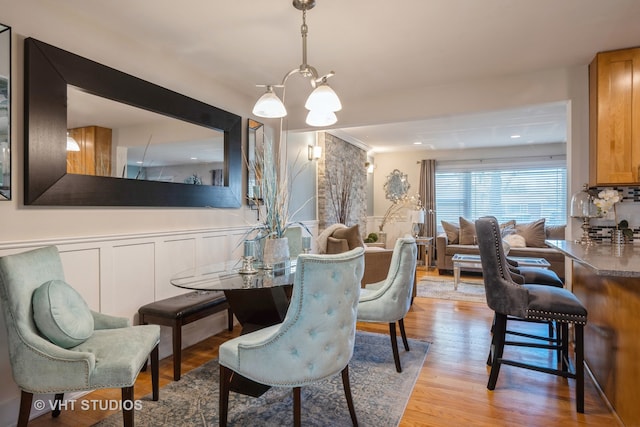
[(5, 113), (48, 71)]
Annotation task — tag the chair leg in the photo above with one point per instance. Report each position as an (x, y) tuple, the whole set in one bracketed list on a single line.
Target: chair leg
[(155, 374), (564, 345), (347, 393), (403, 334), (394, 345), (127, 408), (500, 329), (177, 349), (58, 404), (25, 408), (296, 407), (143, 322), (225, 385), (579, 350)]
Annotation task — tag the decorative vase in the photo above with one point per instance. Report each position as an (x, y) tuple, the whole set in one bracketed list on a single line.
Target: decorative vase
[(276, 251), (382, 237), (617, 237)]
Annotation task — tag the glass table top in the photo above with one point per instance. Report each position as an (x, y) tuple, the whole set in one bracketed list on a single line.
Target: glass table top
[(228, 276)]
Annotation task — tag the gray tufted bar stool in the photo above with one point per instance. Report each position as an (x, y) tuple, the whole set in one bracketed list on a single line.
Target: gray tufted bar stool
[(530, 302), (530, 276)]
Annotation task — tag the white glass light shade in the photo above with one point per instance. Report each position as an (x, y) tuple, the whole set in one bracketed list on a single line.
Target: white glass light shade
[(269, 106), (323, 98), (72, 144), (321, 118), (582, 204), (315, 152), (417, 217)]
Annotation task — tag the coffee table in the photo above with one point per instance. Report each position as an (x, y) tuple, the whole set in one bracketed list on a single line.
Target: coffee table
[(473, 263)]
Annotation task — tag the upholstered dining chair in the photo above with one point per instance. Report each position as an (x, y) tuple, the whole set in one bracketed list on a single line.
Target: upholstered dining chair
[(538, 302), (390, 300), (58, 345), (315, 340), (531, 276)]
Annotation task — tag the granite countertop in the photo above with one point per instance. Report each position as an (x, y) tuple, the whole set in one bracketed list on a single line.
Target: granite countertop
[(604, 258)]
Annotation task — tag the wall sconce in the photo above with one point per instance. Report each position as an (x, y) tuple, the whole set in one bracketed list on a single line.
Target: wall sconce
[(315, 152), (369, 166)]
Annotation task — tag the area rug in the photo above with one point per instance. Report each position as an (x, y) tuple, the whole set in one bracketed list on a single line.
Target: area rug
[(469, 288), (380, 394)]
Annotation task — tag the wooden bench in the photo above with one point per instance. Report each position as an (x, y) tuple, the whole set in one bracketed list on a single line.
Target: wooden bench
[(181, 310)]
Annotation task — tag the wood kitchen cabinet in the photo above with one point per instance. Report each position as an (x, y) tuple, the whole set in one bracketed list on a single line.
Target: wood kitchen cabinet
[(94, 157), (614, 118)]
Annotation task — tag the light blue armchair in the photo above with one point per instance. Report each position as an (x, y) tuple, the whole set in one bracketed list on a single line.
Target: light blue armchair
[(58, 345), (315, 340), (390, 300)]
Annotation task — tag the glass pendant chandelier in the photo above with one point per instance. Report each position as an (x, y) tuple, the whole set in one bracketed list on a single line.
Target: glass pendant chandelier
[(322, 103)]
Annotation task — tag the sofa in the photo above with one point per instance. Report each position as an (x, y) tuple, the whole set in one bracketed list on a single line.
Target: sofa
[(338, 238), (521, 240)]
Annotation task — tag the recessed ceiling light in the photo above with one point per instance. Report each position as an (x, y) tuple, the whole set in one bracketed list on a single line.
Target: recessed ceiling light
[(515, 136), (417, 143)]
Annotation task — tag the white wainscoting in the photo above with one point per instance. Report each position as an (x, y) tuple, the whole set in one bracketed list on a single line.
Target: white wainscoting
[(118, 274)]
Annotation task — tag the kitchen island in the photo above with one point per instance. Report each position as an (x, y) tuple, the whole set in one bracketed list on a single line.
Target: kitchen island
[(606, 278)]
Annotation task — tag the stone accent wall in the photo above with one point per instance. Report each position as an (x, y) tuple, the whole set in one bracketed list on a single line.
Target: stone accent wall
[(340, 162)]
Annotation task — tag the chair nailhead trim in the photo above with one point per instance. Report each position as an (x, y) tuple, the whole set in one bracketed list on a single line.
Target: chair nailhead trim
[(548, 315)]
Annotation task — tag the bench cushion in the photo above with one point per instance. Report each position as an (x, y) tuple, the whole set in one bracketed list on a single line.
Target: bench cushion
[(183, 305)]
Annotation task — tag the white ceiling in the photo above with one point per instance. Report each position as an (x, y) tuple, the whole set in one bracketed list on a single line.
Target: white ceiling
[(379, 49)]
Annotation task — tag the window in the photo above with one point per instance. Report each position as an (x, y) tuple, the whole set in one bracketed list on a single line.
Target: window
[(524, 191)]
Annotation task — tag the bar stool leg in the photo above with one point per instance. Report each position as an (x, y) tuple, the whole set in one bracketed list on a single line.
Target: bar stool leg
[(579, 350)]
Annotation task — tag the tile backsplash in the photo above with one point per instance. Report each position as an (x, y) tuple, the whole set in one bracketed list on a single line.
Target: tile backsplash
[(628, 208)]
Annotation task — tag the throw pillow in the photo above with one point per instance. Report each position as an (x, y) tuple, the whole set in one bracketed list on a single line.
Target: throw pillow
[(506, 247), (351, 234), (467, 232), (507, 228), (514, 241), (61, 314), (533, 233), (452, 231), (336, 246), (555, 232)]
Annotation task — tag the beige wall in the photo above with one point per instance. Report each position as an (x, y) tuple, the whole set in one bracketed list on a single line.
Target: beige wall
[(569, 85), (59, 28)]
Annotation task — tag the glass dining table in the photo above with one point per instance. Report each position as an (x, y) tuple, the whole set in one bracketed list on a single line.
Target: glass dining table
[(257, 299)]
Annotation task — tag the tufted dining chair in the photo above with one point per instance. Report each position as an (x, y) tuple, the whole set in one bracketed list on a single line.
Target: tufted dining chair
[(58, 345), (314, 341), (529, 301), (390, 300)]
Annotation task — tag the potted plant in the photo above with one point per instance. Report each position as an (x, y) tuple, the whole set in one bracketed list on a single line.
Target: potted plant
[(274, 180)]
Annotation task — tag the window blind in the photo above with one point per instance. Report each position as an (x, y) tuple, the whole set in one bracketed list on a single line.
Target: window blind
[(523, 192)]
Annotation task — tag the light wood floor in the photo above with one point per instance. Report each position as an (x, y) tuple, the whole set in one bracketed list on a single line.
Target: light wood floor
[(451, 389)]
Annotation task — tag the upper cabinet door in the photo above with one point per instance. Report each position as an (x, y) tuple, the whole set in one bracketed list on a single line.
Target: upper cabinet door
[(614, 103)]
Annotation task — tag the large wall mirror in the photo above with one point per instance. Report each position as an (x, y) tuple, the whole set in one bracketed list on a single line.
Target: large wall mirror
[(5, 112), (98, 137)]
